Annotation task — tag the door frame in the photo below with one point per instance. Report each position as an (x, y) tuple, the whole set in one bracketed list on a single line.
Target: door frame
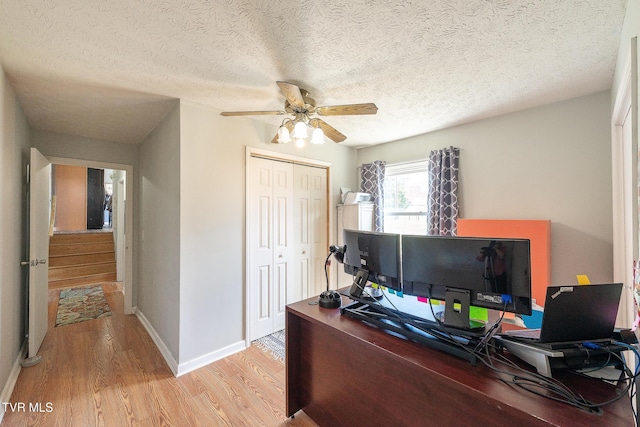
[(282, 157), (625, 252), (128, 219)]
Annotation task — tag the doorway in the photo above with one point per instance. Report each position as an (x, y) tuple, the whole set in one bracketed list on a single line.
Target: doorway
[(123, 233)]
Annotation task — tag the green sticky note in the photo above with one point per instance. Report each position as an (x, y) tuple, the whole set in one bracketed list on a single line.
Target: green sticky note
[(478, 313)]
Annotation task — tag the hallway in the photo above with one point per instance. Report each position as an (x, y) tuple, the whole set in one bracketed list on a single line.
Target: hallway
[(109, 372)]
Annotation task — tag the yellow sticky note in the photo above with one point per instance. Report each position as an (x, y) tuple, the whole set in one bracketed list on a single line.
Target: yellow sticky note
[(583, 279)]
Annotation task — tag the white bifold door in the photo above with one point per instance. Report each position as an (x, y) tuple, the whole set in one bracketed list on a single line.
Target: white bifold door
[(287, 235)]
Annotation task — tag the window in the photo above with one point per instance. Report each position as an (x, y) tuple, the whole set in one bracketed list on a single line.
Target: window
[(406, 194)]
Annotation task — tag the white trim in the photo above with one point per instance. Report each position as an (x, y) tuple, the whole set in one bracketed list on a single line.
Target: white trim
[(7, 390), (199, 362), (406, 167), (164, 350), (259, 152), (266, 154), (625, 102), (128, 277)]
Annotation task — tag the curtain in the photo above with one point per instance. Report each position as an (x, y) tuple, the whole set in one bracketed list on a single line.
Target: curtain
[(372, 175), (443, 192)]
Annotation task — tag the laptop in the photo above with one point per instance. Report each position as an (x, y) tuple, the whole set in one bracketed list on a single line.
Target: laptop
[(575, 313)]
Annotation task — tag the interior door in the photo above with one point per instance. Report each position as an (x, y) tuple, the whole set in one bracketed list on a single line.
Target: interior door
[(39, 217), (311, 240), (319, 235), (270, 206), (95, 198), (302, 234)]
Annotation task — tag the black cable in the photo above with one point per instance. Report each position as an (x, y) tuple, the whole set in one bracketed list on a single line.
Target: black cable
[(535, 383)]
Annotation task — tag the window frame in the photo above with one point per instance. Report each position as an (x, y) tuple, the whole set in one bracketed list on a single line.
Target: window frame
[(398, 169)]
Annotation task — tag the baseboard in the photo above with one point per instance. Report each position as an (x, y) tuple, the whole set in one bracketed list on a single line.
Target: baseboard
[(7, 390), (164, 350), (191, 365), (199, 362)]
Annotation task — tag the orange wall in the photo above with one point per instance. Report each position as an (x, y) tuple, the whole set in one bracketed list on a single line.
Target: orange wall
[(71, 198), (537, 231)]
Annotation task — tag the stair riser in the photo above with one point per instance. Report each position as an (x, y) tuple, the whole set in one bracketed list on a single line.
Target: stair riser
[(85, 270), (66, 239), (78, 260), (81, 281), (88, 248)]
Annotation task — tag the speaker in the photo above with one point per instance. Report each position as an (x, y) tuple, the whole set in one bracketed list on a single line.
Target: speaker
[(330, 299)]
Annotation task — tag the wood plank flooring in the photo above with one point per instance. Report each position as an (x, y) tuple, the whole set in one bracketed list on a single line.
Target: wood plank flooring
[(108, 372)]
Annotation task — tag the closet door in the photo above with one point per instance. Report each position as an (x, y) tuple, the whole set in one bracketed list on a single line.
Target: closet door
[(270, 256), (310, 233), (282, 239), (319, 228)]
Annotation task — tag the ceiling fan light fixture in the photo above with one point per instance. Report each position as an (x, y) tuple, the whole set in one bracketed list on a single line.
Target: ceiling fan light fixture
[(283, 135), (299, 142), (317, 137), (300, 130)]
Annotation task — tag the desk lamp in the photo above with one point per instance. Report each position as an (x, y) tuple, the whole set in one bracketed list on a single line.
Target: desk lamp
[(331, 298)]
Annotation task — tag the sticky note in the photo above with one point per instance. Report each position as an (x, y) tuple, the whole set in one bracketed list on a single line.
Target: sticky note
[(422, 299), (478, 313), (583, 279), (374, 285)]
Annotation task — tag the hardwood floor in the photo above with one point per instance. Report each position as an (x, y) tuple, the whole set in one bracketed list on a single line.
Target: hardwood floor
[(108, 372)]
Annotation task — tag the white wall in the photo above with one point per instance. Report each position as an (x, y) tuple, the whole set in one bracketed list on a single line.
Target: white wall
[(53, 144), (14, 154), (212, 222), (158, 290), (551, 162)]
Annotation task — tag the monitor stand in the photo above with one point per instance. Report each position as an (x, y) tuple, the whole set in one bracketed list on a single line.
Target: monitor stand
[(456, 311)]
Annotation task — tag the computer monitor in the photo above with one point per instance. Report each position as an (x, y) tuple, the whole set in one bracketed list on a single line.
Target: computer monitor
[(465, 271), (376, 254)]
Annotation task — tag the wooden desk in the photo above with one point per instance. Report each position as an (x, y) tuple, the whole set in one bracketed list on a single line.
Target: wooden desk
[(343, 372)]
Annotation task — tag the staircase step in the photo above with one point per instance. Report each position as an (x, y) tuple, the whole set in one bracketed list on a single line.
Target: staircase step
[(77, 259), (70, 238), (78, 249), (82, 259), (81, 281), (81, 271)]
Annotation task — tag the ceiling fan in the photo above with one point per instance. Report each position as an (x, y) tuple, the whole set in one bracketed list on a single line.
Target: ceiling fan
[(301, 107)]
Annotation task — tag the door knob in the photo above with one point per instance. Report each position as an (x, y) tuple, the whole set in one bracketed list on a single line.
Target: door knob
[(24, 262)]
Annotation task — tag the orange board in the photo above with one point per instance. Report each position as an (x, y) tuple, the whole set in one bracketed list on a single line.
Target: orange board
[(537, 231)]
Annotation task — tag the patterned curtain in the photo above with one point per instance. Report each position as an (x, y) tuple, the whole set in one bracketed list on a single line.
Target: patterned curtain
[(373, 183), (443, 192)]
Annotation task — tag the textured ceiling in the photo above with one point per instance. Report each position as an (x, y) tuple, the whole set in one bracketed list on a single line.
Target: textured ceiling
[(111, 69)]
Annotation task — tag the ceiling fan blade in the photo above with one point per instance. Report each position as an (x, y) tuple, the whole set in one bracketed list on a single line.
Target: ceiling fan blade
[(289, 126), (347, 110), (252, 113), (329, 131), (292, 93)]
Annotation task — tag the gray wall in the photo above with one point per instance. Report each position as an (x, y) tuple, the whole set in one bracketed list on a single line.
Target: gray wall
[(551, 162), (212, 221), (14, 155), (158, 285)]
